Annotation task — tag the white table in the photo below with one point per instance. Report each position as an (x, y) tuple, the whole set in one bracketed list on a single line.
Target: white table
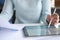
[(6, 34)]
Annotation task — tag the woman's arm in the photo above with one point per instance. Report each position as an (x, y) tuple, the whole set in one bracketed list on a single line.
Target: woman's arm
[(7, 11), (46, 9), (5, 16)]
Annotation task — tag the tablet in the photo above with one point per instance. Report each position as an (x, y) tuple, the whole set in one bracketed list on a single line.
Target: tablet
[(40, 30)]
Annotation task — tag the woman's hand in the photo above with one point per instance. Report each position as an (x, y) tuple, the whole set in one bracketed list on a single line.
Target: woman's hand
[(54, 17)]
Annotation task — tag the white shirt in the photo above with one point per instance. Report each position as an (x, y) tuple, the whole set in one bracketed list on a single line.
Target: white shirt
[(27, 11)]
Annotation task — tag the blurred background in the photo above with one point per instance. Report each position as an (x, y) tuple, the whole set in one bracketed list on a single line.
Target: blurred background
[(54, 4), (1, 4)]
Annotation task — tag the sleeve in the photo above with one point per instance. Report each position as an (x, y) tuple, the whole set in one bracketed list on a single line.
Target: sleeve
[(7, 11), (46, 9)]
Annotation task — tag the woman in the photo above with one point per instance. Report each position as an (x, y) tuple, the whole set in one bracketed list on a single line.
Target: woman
[(28, 11)]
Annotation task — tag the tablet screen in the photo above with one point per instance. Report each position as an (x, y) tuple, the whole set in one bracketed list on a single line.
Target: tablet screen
[(41, 30)]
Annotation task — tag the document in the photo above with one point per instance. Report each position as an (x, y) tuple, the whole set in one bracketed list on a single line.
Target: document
[(4, 24)]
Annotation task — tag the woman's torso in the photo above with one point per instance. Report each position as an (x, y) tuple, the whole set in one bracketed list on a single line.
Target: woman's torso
[(27, 11)]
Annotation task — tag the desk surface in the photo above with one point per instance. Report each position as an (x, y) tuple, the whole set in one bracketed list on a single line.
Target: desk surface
[(6, 34)]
